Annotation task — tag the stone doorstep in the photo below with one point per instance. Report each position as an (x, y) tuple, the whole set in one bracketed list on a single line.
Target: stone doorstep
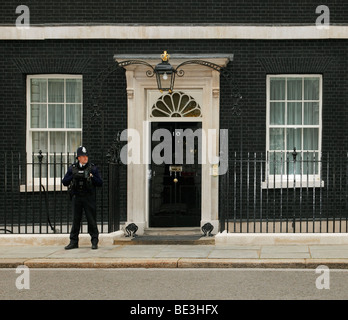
[(174, 263), (167, 240)]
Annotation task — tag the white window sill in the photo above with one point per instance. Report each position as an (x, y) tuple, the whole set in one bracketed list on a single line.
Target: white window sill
[(278, 184), (50, 187)]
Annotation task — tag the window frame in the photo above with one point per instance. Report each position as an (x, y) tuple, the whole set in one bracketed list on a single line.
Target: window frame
[(289, 180), (50, 184)]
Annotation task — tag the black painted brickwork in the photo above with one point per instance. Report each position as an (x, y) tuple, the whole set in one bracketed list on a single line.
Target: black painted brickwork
[(176, 11)]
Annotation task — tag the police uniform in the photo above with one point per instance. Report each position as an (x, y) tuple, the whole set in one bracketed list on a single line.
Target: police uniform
[(82, 181)]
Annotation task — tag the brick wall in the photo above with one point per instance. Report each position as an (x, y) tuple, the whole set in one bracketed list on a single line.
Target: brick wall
[(178, 11)]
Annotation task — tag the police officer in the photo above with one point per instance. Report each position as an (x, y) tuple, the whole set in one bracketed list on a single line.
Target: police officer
[(83, 177)]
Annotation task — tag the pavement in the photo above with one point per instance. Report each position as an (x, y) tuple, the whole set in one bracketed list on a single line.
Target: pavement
[(176, 256)]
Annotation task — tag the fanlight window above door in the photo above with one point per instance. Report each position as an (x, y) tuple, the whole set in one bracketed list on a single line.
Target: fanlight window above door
[(177, 104)]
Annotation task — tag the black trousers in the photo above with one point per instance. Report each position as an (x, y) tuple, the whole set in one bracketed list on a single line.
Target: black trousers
[(87, 203)]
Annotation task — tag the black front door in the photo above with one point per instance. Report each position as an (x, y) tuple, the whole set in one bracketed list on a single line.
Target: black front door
[(175, 186)]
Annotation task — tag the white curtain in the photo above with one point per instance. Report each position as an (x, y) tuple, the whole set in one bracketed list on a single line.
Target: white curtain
[(57, 142), (294, 88), (311, 113), (278, 88), (56, 116), (277, 113), (294, 113), (293, 139), (56, 90), (311, 89), (38, 117), (74, 141), (277, 139), (38, 90), (73, 90), (40, 141), (73, 116)]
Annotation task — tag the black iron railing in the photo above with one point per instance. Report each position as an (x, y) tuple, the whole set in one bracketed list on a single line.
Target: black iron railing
[(285, 192), (274, 192), (33, 199)]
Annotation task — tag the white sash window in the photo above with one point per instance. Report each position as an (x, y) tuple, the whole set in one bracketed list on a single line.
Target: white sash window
[(294, 109), (54, 124)]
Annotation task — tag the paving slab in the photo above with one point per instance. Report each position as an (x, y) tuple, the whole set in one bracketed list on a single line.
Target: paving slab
[(143, 247), (179, 254), (24, 249), (26, 252), (134, 254), (79, 253), (335, 254), (236, 247), (333, 247), (188, 248), (234, 254), (284, 249), (285, 255), (176, 256)]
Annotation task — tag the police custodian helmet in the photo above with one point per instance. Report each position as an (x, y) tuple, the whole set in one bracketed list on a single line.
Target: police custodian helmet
[(81, 151)]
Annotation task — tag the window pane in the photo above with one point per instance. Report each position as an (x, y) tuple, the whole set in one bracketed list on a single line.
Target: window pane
[(71, 159), (277, 113), (40, 169), (38, 116), (311, 163), (276, 139), (277, 88), (56, 116), (57, 142), (73, 90), (311, 113), (57, 170), (311, 88), (39, 141), (310, 139), (55, 90), (277, 163), (74, 141), (38, 90), (73, 116), (293, 139), (294, 113), (291, 169), (294, 88)]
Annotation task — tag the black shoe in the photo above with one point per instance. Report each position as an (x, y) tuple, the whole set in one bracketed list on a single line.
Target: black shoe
[(71, 245), (94, 246)]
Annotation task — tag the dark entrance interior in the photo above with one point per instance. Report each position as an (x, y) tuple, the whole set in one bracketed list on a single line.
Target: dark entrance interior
[(175, 188)]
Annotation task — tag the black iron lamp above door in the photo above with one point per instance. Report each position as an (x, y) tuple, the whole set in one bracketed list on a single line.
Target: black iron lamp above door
[(165, 74)]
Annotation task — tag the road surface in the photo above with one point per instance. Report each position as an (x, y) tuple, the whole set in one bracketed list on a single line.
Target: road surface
[(184, 284)]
